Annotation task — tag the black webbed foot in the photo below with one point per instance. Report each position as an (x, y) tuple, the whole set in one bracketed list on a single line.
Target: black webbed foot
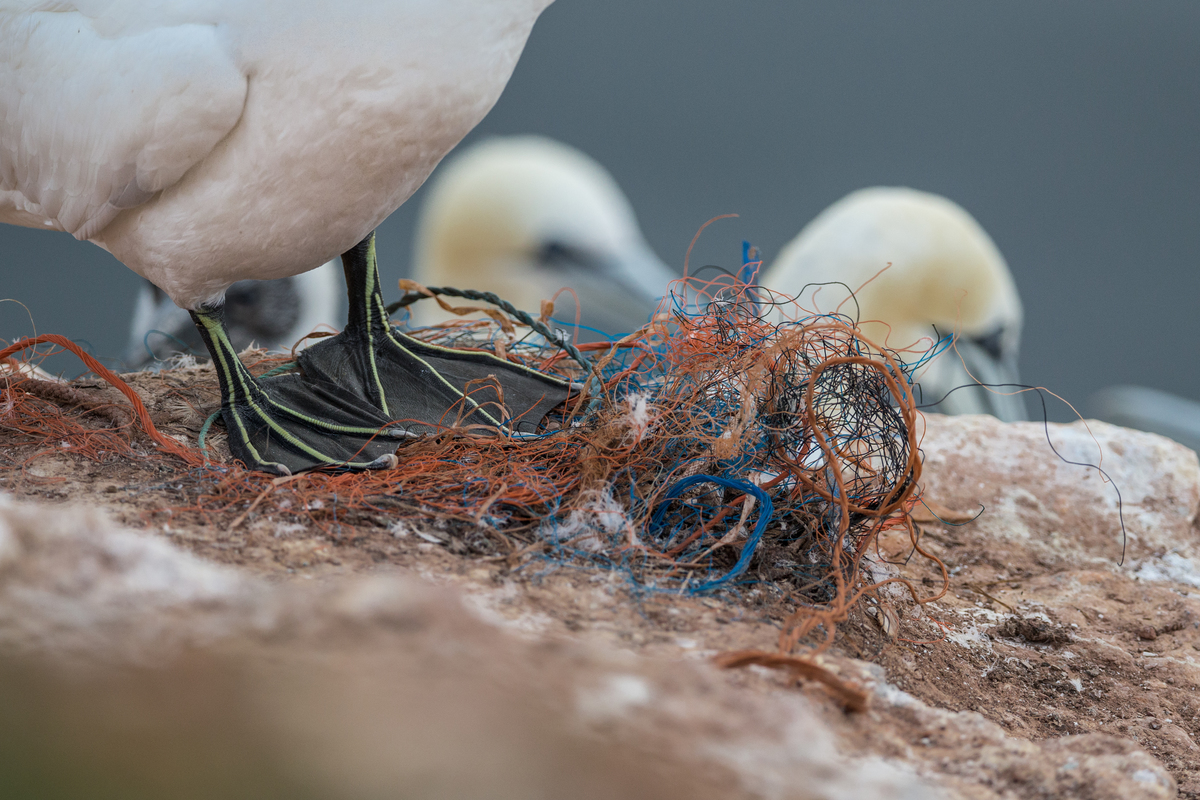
[(420, 385), (359, 394), (283, 425)]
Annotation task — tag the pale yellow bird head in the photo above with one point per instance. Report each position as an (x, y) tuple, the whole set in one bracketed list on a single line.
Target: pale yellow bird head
[(946, 277), (526, 216)]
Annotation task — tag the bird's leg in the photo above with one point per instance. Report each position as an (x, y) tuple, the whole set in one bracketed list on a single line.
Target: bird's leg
[(418, 385), (282, 425)]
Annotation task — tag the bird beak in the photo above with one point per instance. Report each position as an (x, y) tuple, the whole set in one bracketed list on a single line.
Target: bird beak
[(985, 380), (621, 292)]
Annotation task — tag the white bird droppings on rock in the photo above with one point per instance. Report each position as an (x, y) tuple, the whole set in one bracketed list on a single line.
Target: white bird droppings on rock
[(1170, 568), (971, 638)]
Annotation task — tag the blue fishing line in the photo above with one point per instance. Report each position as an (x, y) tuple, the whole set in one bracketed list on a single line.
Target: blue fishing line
[(939, 347), (176, 339), (608, 337)]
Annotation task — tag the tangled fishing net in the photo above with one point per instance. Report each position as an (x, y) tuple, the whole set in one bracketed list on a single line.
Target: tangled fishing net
[(735, 440)]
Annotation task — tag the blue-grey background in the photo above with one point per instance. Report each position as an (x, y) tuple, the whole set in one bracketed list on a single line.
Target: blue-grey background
[(1070, 129)]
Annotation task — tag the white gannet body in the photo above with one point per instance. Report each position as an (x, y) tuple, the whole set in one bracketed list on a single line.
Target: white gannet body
[(525, 216), (204, 142), (945, 272)]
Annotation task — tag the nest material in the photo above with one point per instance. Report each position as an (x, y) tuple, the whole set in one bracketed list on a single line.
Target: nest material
[(720, 447)]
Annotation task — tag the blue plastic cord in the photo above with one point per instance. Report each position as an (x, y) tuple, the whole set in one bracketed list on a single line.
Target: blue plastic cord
[(208, 423), (751, 257), (765, 511)]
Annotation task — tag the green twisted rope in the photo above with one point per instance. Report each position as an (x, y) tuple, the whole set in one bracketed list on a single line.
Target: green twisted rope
[(520, 316)]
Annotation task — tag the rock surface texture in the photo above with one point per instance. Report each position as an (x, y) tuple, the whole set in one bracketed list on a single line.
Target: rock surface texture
[(372, 661)]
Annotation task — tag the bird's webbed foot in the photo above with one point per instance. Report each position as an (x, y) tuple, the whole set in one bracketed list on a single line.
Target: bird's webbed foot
[(284, 425), (422, 386), (359, 394)]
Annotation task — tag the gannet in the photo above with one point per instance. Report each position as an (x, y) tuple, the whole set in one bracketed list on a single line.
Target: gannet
[(275, 315), (205, 142), (525, 216), (946, 277)]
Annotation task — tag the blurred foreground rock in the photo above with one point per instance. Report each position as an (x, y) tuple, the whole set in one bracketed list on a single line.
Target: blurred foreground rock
[(133, 669)]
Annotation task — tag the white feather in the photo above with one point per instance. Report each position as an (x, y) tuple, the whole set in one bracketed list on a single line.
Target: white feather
[(204, 142), (94, 125), (944, 268)]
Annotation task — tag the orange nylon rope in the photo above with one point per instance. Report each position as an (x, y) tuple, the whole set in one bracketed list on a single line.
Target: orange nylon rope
[(139, 408)]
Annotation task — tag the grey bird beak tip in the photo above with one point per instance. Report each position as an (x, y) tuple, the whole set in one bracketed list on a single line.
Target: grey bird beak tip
[(978, 383)]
